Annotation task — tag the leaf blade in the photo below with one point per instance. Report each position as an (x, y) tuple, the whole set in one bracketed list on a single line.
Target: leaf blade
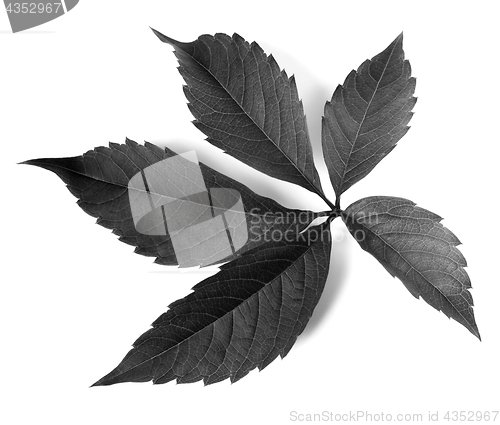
[(367, 116), (241, 318), (412, 244), (247, 106), (100, 177)]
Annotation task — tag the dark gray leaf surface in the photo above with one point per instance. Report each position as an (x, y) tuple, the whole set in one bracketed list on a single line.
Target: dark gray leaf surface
[(367, 116), (412, 245), (247, 106), (100, 177), (241, 318), (255, 307)]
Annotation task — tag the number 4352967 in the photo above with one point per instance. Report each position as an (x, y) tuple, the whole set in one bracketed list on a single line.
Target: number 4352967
[(480, 416), (33, 7)]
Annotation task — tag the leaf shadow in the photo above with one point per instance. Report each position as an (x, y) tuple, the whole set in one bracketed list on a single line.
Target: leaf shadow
[(337, 276)]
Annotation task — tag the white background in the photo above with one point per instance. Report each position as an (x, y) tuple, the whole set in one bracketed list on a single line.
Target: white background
[(73, 298)]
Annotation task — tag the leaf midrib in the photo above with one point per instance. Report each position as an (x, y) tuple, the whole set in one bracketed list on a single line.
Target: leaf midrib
[(421, 275), (345, 172), (144, 191), (311, 184), (216, 320)]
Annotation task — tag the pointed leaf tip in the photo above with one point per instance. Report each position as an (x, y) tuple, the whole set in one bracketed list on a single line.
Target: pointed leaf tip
[(168, 40), (225, 314), (367, 116), (99, 383), (399, 39), (40, 162), (267, 132), (30, 162), (158, 33), (100, 180)]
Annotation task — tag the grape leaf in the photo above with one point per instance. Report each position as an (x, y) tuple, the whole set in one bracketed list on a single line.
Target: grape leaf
[(100, 177), (412, 244), (367, 116), (255, 307), (236, 320), (247, 106)]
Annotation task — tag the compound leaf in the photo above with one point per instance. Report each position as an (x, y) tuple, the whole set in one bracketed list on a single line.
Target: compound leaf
[(412, 245), (255, 307), (367, 116), (100, 178), (247, 106), (236, 320)]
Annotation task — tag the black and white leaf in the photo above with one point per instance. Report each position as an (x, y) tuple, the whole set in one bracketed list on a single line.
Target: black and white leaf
[(247, 106), (100, 178), (367, 116), (412, 244), (239, 319), (255, 307)]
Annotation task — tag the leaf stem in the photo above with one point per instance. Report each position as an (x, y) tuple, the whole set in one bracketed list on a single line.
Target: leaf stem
[(337, 203), (332, 215), (322, 196)]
